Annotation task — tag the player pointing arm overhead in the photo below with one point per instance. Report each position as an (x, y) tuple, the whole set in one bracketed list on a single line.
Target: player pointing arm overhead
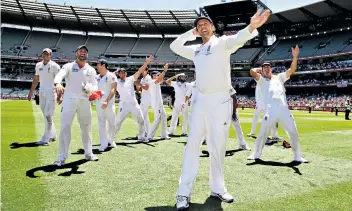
[(212, 108)]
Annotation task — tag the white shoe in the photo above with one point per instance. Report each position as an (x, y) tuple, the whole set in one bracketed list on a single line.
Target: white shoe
[(59, 163), (165, 138), (113, 144), (244, 147), (42, 142), (182, 202), (225, 197), (146, 140), (91, 157), (252, 157), (302, 160)]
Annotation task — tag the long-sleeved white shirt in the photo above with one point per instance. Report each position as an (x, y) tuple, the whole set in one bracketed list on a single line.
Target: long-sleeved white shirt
[(212, 59), (75, 77)]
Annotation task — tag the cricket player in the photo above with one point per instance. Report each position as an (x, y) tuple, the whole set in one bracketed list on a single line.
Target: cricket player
[(45, 72), (212, 110), (181, 87), (146, 98), (80, 80), (107, 83), (276, 107), (128, 102), (157, 105)]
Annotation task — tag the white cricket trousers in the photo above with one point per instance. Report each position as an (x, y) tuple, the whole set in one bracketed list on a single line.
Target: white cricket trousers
[(47, 100), (257, 112), (282, 115), (124, 109), (159, 117), (71, 106), (176, 113), (106, 121), (238, 129), (145, 111), (211, 115)]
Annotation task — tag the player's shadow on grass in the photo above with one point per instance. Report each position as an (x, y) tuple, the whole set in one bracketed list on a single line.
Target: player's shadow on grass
[(73, 166), (205, 153), (16, 145), (211, 204), (293, 165)]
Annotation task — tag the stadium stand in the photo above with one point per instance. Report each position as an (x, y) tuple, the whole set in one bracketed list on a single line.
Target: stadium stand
[(11, 40)]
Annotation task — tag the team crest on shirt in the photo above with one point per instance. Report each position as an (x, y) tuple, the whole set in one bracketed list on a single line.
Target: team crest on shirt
[(208, 51), (74, 70), (106, 79)]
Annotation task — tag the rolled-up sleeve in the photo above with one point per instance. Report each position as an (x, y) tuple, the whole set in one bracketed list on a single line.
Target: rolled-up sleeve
[(178, 45)]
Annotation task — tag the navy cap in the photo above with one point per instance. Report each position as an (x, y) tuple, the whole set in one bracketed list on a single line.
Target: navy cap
[(201, 18), (82, 46), (266, 64), (103, 61)]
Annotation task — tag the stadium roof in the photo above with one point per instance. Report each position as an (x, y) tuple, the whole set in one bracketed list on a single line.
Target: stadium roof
[(96, 19), (313, 11)]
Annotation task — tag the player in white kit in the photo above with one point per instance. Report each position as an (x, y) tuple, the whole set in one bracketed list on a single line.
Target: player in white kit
[(259, 109), (146, 98), (181, 87), (45, 72), (128, 102), (276, 107), (212, 110), (105, 106), (157, 105), (80, 80), (192, 93)]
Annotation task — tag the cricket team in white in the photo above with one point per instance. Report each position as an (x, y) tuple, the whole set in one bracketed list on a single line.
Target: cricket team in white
[(211, 96)]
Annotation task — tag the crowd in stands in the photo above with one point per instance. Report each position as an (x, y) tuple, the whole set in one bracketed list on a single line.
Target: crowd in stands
[(17, 76), (321, 66)]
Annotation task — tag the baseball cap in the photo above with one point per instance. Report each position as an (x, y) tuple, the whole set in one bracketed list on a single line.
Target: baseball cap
[(82, 46), (266, 64), (155, 73), (48, 50), (202, 18), (103, 61)]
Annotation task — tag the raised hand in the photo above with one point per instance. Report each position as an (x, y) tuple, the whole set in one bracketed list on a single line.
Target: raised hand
[(195, 32), (259, 19), (295, 51), (149, 59), (166, 67)]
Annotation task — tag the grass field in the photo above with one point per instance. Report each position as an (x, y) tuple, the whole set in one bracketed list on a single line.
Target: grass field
[(145, 176)]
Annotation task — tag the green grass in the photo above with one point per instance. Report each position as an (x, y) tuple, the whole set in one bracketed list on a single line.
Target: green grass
[(145, 176)]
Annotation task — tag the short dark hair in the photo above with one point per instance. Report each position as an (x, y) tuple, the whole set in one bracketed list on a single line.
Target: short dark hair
[(103, 61)]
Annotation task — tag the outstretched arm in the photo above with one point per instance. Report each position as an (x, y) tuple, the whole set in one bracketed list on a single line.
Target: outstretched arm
[(293, 68), (168, 81), (142, 68), (234, 42), (162, 75), (255, 73)]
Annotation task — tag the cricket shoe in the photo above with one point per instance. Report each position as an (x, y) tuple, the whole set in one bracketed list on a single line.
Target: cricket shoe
[(59, 162), (302, 160), (102, 148), (91, 157), (165, 138), (182, 202), (184, 135), (252, 157), (225, 197), (112, 144), (244, 147)]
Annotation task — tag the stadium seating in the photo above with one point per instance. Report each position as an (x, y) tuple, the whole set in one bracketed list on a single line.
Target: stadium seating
[(245, 54), (121, 45), (97, 46), (68, 44), (10, 38), (39, 40)]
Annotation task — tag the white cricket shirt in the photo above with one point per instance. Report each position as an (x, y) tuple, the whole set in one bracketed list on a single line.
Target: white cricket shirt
[(180, 90), (273, 90), (126, 89), (155, 91), (104, 84), (146, 96), (46, 74), (212, 59), (75, 77)]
